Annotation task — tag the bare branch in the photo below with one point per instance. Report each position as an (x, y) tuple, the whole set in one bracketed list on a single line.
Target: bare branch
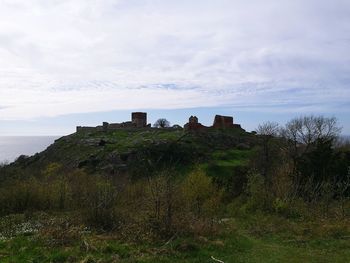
[(217, 260)]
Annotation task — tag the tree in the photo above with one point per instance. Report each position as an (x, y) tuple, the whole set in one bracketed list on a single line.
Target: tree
[(161, 123), (309, 129), (200, 194), (267, 132), (309, 143), (303, 133), (268, 129)]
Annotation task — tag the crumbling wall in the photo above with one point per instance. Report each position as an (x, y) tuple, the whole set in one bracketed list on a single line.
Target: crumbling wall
[(139, 119), (220, 122), (223, 122), (89, 129), (193, 124)]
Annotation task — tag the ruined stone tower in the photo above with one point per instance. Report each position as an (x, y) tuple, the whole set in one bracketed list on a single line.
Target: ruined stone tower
[(193, 119), (223, 122), (139, 119), (193, 124)]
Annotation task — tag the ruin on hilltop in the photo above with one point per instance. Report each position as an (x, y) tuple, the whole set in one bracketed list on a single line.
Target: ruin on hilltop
[(220, 122), (139, 121)]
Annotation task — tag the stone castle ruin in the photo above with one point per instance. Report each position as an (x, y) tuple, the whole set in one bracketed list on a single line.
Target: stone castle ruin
[(224, 122), (220, 122), (193, 124), (139, 121)]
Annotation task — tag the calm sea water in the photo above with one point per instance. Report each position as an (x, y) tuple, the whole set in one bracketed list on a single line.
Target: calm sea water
[(13, 146)]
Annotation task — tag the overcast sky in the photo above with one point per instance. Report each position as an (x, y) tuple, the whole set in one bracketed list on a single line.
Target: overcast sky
[(65, 61)]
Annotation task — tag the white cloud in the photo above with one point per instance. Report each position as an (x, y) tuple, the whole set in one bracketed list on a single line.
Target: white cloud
[(62, 57)]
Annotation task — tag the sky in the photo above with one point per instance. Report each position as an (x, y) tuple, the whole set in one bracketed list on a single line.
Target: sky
[(80, 62)]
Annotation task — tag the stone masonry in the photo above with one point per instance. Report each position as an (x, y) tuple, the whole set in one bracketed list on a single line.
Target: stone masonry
[(193, 124), (220, 122), (139, 119), (223, 122)]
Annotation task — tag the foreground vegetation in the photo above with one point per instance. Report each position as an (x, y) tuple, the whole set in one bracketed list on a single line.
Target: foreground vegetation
[(254, 238), (171, 196)]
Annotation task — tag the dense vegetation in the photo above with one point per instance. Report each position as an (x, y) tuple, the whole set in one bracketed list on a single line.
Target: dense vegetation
[(167, 195)]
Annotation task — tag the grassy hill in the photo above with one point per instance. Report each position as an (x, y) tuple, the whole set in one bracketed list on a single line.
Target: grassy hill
[(115, 151), (164, 195)]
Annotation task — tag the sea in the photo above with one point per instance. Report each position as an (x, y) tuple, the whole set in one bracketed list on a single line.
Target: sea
[(13, 146)]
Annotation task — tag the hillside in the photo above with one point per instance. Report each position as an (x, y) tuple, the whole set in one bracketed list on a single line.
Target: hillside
[(116, 152), (177, 195)]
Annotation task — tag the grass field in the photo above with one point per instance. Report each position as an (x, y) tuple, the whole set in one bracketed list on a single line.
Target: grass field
[(252, 239)]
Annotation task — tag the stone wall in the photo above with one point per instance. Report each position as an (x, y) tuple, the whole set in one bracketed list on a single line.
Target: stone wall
[(89, 129), (220, 122), (193, 124), (139, 119), (223, 122)]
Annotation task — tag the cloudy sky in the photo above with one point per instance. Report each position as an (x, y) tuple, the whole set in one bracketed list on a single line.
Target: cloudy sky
[(80, 62)]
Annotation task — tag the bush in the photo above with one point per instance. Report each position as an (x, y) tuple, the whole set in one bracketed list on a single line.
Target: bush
[(280, 206), (259, 198), (200, 193), (100, 209)]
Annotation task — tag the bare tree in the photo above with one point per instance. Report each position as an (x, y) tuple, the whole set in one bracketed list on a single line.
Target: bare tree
[(308, 129), (161, 123), (303, 134), (268, 129)]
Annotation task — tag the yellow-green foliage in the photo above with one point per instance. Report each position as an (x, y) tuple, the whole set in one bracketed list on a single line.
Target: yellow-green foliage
[(160, 204), (52, 170), (200, 194), (164, 203)]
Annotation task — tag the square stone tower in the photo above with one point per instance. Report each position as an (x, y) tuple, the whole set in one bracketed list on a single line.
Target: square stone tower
[(139, 119), (223, 122)]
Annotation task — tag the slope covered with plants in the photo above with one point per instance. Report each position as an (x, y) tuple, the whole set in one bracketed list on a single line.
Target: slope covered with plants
[(168, 195)]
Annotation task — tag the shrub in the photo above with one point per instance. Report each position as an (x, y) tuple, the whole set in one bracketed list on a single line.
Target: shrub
[(258, 196)]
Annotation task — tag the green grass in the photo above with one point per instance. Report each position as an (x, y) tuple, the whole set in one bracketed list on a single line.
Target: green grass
[(234, 248), (251, 239), (228, 164), (125, 140), (232, 158)]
